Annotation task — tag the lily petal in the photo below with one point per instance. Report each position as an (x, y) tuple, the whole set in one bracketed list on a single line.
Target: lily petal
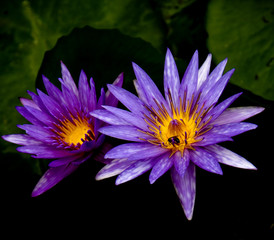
[(204, 71), (149, 88), (124, 132), (161, 166), (181, 162), (135, 170), (237, 114), (185, 188), (128, 149), (114, 168), (205, 160), (129, 100), (51, 177), (230, 158), (190, 78), (171, 78)]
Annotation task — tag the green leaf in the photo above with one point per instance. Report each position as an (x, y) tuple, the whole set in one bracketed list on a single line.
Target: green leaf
[(243, 32), (103, 55), (29, 28)]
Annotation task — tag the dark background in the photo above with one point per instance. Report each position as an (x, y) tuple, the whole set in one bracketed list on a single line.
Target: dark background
[(103, 38)]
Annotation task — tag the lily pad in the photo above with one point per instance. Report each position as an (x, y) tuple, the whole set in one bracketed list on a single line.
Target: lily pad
[(29, 28), (243, 32)]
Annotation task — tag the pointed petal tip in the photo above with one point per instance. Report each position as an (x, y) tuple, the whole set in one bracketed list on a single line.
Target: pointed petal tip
[(189, 216), (62, 64), (260, 109), (168, 52), (134, 64), (35, 194), (151, 181), (98, 177), (121, 75)]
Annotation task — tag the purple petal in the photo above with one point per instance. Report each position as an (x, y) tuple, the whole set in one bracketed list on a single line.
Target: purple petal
[(52, 106), (52, 90), (221, 107), (84, 93), (205, 160), (52, 177), (127, 149), (89, 145), (114, 168), (129, 133), (29, 102), (82, 159), (102, 99), (44, 151), (204, 71), (233, 129), (108, 117), (230, 158), (133, 103), (171, 78), (44, 118), (110, 99), (68, 80), (215, 92), (93, 96), (213, 78), (98, 123), (161, 167), (153, 152), (140, 92), (185, 188), (71, 101), (63, 161), (217, 73), (128, 117), (38, 101), (21, 139), (148, 86), (181, 162), (237, 114), (99, 154), (27, 115), (135, 170), (210, 138), (190, 78), (37, 132)]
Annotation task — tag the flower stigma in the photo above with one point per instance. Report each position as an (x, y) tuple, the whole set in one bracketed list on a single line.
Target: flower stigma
[(179, 129), (75, 132)]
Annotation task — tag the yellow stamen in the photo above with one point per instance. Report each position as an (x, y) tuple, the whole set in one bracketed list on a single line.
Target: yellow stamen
[(74, 133), (179, 129)]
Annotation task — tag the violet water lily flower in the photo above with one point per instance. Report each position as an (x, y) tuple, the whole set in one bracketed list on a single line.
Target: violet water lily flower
[(61, 127), (177, 131)]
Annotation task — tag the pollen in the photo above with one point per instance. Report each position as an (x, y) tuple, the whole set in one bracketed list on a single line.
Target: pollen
[(179, 128), (75, 132)]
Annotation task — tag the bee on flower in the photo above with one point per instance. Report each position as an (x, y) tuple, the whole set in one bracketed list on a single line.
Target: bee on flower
[(178, 131)]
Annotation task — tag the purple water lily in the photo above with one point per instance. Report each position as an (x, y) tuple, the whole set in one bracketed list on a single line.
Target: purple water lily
[(61, 127), (177, 132)]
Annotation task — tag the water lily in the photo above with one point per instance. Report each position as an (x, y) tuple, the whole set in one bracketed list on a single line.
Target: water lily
[(61, 128), (178, 131)]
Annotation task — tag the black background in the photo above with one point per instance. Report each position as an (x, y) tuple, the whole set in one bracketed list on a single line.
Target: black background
[(237, 205)]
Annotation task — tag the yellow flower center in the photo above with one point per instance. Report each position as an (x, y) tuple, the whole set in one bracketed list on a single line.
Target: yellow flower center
[(180, 130), (74, 133)]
